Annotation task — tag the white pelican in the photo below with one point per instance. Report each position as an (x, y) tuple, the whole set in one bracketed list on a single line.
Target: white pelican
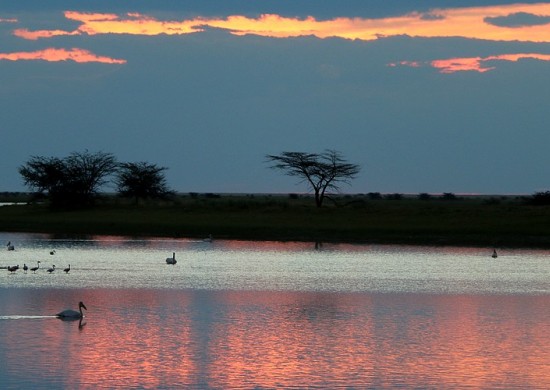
[(66, 270), (50, 270), (10, 246), (25, 268), (171, 260), (13, 268), (72, 314), (34, 269), (494, 256)]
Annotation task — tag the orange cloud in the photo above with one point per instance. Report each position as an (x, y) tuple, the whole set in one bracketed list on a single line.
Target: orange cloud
[(476, 64), (473, 22), (54, 55)]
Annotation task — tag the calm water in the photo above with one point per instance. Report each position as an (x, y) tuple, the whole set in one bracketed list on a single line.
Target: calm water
[(236, 314)]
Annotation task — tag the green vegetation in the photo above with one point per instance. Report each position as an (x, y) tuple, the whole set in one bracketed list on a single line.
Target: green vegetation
[(434, 220)]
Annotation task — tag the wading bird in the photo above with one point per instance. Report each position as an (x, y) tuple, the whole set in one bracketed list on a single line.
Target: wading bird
[(10, 246), (66, 270), (25, 268), (494, 256), (52, 252), (50, 270), (13, 268), (171, 260), (72, 314), (34, 269)]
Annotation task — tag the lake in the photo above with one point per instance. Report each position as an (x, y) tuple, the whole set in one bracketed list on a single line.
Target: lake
[(234, 314)]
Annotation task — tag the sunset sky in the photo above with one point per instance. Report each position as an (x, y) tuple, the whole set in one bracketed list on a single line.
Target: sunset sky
[(426, 96)]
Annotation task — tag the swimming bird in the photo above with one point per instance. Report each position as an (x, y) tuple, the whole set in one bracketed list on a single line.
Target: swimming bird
[(52, 252), (171, 260), (25, 268), (66, 270), (494, 256), (50, 270), (13, 268), (34, 269), (72, 314), (10, 246)]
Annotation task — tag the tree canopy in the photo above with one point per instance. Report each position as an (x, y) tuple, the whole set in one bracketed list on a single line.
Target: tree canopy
[(72, 181), (142, 180), (322, 171)]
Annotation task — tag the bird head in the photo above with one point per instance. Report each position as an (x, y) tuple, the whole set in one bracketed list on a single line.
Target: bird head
[(80, 304)]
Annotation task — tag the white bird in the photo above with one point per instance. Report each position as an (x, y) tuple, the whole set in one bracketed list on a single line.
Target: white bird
[(13, 268), (66, 270), (50, 270), (10, 246), (171, 260), (72, 314), (34, 269), (25, 268)]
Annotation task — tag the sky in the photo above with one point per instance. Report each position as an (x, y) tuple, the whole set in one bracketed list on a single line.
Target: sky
[(425, 96)]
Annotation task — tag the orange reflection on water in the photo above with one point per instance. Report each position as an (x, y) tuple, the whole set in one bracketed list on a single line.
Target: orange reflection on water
[(232, 339)]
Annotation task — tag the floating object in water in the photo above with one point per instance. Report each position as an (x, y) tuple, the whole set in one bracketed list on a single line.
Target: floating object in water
[(171, 260), (10, 246), (52, 252), (72, 314)]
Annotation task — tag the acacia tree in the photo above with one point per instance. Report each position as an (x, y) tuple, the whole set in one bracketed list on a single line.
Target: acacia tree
[(142, 180), (72, 181), (322, 171)]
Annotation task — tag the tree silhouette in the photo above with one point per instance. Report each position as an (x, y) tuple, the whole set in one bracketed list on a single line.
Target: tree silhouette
[(142, 180), (323, 172), (73, 181)]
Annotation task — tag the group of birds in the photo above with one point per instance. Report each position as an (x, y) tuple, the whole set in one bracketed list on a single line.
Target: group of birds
[(13, 268)]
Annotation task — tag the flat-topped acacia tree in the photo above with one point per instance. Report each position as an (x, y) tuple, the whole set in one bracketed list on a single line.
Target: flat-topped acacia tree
[(322, 171)]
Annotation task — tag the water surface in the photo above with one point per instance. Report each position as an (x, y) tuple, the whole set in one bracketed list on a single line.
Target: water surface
[(236, 314)]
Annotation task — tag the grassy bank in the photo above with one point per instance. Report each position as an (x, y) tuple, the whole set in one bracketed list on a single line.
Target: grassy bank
[(498, 222)]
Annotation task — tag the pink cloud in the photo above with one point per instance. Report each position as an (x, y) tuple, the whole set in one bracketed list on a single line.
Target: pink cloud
[(473, 64), (55, 55)]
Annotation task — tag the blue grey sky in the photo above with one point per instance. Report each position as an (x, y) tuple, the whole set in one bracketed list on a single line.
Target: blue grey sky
[(426, 96)]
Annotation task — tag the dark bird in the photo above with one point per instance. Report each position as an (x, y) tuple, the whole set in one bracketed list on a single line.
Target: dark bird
[(34, 269), (52, 252), (13, 268), (25, 268), (171, 260), (10, 246), (50, 270), (66, 270), (494, 256), (72, 314)]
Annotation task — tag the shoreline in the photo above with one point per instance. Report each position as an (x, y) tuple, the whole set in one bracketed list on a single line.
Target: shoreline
[(476, 222)]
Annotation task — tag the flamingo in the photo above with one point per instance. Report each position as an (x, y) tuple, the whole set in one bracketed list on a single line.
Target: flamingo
[(72, 314), (50, 270), (66, 270), (171, 260), (13, 268), (34, 269), (25, 268), (10, 246)]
